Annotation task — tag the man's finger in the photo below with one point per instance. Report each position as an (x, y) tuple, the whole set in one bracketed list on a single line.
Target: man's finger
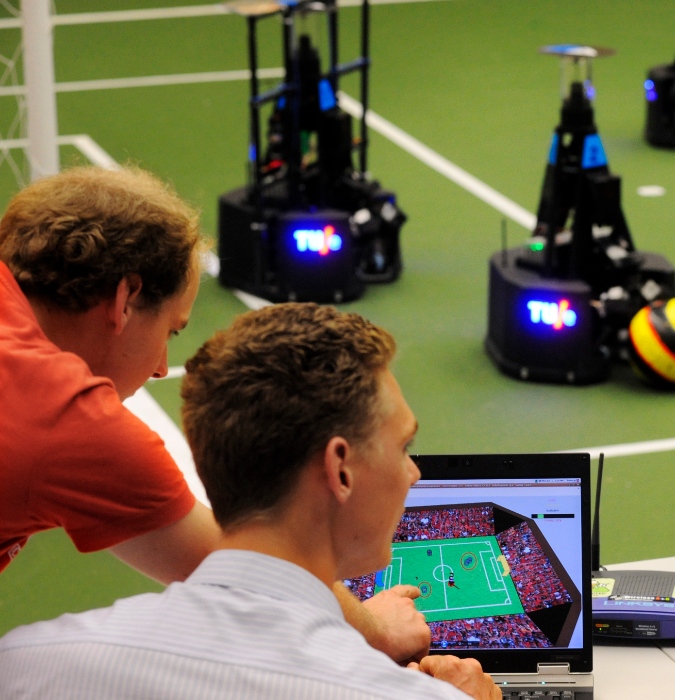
[(406, 591), (465, 674)]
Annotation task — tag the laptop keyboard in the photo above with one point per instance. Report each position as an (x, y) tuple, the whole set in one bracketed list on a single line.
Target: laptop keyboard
[(549, 694)]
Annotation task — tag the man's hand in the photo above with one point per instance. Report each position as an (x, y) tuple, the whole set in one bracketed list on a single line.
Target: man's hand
[(465, 674), (402, 632)]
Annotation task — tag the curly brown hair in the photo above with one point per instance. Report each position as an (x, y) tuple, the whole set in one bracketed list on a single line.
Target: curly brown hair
[(69, 239), (265, 395)]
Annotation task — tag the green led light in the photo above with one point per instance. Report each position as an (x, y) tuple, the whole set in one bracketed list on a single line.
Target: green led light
[(538, 245)]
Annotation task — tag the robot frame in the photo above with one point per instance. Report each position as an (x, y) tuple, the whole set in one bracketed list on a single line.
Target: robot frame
[(560, 307), (308, 226)]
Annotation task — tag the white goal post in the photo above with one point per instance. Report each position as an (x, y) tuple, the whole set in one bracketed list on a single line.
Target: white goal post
[(38, 58), (37, 121)]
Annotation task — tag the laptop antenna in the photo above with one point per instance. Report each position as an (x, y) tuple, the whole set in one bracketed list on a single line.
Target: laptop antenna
[(595, 534)]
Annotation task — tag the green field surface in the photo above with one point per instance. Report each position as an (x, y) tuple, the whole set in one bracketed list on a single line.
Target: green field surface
[(479, 589), (466, 79)]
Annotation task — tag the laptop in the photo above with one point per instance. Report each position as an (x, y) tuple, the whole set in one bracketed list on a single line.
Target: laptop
[(499, 547)]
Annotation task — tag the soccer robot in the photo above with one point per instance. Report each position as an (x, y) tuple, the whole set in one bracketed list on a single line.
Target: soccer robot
[(309, 225), (660, 97), (561, 306)]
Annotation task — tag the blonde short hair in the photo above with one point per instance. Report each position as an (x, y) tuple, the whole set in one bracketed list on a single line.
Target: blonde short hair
[(265, 395)]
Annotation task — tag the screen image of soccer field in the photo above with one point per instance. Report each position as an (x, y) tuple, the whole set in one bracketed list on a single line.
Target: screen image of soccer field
[(458, 578), (487, 578)]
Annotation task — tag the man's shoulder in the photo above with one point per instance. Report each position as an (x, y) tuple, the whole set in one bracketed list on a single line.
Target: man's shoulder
[(281, 619), (275, 648), (100, 670), (260, 622)]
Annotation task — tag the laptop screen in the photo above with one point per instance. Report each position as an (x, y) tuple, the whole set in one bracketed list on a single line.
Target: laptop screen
[(498, 546)]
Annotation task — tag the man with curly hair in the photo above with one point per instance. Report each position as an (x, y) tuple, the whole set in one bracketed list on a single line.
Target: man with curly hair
[(98, 269), (300, 435)]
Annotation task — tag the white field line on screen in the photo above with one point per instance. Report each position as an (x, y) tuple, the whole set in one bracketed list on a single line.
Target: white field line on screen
[(443, 565), (488, 563), (496, 568), (396, 563)]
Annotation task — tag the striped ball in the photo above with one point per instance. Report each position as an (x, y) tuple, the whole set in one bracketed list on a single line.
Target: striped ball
[(652, 340)]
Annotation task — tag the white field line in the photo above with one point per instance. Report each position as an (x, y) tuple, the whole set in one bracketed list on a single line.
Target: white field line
[(217, 9), (91, 150), (440, 164), (9, 144), (630, 448), (143, 405), (250, 300), (140, 15), (175, 442), (375, 121), (174, 373), (151, 81), (175, 79), (83, 142)]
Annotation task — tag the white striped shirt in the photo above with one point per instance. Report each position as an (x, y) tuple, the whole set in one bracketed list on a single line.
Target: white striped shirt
[(244, 625)]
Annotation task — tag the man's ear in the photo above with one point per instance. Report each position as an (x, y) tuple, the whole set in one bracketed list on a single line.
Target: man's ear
[(337, 463), (122, 305)]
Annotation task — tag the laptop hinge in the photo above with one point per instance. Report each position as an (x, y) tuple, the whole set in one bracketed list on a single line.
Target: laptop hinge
[(553, 669)]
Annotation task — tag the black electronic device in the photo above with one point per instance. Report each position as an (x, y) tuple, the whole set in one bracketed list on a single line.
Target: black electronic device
[(660, 98), (560, 306), (630, 605), (633, 605), (309, 225)]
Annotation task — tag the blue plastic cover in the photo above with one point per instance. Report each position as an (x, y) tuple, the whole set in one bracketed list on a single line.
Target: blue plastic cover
[(593, 155), (553, 153), (326, 95)]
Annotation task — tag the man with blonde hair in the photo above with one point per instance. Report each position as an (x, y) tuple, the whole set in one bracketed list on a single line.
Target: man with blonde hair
[(300, 435)]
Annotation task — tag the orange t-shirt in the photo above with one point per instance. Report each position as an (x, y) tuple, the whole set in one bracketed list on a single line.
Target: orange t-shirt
[(71, 455)]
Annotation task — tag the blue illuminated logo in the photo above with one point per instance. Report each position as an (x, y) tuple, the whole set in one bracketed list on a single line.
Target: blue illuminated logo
[(551, 314), (321, 241), (650, 91)]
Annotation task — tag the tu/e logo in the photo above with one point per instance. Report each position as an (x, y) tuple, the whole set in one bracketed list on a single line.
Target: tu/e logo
[(551, 314), (321, 241)]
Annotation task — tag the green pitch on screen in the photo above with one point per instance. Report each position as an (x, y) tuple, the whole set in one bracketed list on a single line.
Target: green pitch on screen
[(458, 578)]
